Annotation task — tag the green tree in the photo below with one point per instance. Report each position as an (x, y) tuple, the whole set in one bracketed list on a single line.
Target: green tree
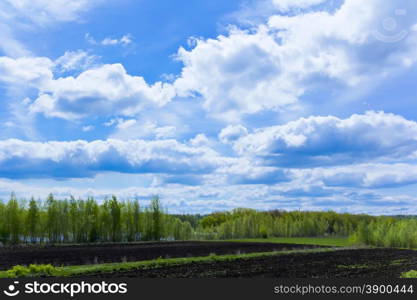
[(52, 219), (115, 212), (156, 212), (33, 221), (13, 220)]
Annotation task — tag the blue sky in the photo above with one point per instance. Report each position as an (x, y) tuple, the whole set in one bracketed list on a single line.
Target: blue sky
[(268, 104)]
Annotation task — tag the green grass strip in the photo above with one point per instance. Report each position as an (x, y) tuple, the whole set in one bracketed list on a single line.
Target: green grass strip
[(332, 241), (409, 274), (80, 270)]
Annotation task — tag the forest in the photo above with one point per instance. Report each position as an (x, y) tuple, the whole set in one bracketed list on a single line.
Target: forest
[(87, 221), (73, 220)]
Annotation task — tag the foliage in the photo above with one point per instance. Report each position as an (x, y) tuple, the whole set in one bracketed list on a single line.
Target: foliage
[(387, 232), (81, 270), (87, 221), (327, 241), (247, 223), (194, 220), (32, 270), (156, 211), (409, 274)]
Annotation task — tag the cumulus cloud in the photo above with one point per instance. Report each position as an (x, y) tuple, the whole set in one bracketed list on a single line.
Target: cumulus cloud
[(207, 198), (272, 66), (25, 15), (232, 133), (179, 198), (126, 124), (269, 67), (200, 140), (77, 159), (310, 163), (236, 74), (316, 141), (245, 172), (178, 163), (33, 71), (44, 11), (105, 90), (135, 129), (102, 90), (368, 175)]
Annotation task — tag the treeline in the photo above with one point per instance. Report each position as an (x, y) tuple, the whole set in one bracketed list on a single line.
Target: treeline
[(87, 221), (387, 232), (248, 223), (382, 231)]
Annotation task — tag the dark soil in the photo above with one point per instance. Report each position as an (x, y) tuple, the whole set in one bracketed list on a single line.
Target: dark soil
[(106, 253), (369, 263)]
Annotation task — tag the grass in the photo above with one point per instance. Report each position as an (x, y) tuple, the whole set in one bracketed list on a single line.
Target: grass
[(398, 262), (353, 266), (31, 270), (409, 274), (69, 271), (327, 241)]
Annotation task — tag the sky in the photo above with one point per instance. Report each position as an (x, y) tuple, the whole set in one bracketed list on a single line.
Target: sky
[(212, 105)]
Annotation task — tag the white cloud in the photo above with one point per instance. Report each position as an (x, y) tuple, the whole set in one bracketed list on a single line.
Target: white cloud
[(88, 128), (76, 159), (28, 15), (33, 71), (126, 124), (208, 198), (354, 178), (232, 133), (135, 129), (199, 140), (124, 41), (75, 60), (247, 171), (248, 71), (271, 66), (44, 11), (367, 175), (91, 40), (236, 74), (329, 140), (105, 90), (112, 122), (8, 43), (164, 132)]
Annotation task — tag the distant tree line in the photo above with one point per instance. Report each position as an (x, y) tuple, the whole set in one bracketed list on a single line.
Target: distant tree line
[(249, 223), (87, 221), (90, 221), (387, 232)]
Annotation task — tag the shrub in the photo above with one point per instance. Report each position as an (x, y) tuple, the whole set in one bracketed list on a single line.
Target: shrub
[(409, 274), (32, 270), (212, 256), (387, 232)]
